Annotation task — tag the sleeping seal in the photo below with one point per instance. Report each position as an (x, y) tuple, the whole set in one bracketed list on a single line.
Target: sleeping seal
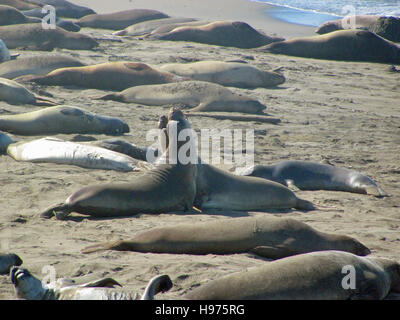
[(309, 276), (19, 4), (307, 175), (346, 45), (168, 187), (231, 74), (29, 287), (10, 15), (61, 119), (268, 237), (199, 95), (14, 93), (7, 261), (119, 20), (221, 33), (105, 76), (34, 37), (361, 22), (65, 8)]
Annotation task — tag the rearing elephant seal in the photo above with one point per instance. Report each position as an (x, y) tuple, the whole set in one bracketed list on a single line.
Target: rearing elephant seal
[(61, 119), (29, 287), (119, 20), (222, 33), (200, 95), (34, 37), (307, 175), (347, 45), (105, 76), (231, 74), (268, 237), (310, 276), (167, 187)]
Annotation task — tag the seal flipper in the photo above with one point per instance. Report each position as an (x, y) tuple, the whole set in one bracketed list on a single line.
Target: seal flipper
[(271, 252), (304, 205), (368, 290), (60, 211), (376, 191)]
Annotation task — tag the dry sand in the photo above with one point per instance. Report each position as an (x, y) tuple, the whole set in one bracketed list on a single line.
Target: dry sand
[(344, 112)]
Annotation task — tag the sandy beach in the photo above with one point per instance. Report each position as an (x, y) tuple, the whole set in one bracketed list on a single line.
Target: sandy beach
[(344, 113)]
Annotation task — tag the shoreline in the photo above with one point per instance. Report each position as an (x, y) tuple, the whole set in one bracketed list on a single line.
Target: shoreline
[(257, 14)]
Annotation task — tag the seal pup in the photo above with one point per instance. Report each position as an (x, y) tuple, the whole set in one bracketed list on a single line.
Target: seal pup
[(146, 27), (231, 74), (40, 64), (28, 287), (269, 237), (18, 4), (221, 33), (65, 8), (119, 20), (361, 22), (52, 150), (34, 37), (7, 261), (307, 175), (10, 15), (105, 76), (199, 95), (168, 187), (309, 276), (14, 93), (346, 45), (61, 119), (5, 141)]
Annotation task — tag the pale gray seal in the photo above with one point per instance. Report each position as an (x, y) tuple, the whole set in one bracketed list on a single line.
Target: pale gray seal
[(231, 74), (34, 37), (222, 33), (119, 20), (199, 95), (268, 237), (29, 287), (40, 64), (307, 175), (309, 276), (360, 22), (52, 150), (168, 187), (61, 119), (346, 45), (146, 27), (7, 261), (65, 8), (105, 76), (14, 93)]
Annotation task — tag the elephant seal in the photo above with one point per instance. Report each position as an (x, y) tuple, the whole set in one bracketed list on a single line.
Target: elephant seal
[(268, 237), (169, 27), (309, 276), (361, 22), (221, 33), (65, 24), (146, 27), (61, 119), (29, 287), (34, 37), (307, 175), (10, 15), (7, 261), (105, 76), (388, 28), (346, 45), (199, 95), (52, 150), (65, 8), (231, 74), (41, 64), (18, 4), (119, 20), (5, 141), (14, 93), (168, 187)]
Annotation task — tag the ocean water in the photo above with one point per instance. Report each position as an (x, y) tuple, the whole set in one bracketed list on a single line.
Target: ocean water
[(315, 12)]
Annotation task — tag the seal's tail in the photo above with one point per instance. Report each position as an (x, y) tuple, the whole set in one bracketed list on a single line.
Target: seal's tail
[(111, 96), (95, 248), (305, 205)]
